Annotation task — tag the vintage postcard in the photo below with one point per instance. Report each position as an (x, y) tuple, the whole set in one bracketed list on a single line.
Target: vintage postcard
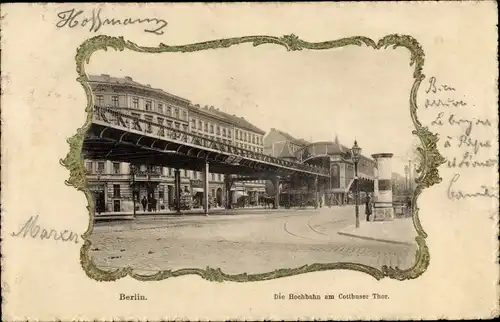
[(270, 161)]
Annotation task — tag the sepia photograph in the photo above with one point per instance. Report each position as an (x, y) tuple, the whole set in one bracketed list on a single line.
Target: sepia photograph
[(251, 159)]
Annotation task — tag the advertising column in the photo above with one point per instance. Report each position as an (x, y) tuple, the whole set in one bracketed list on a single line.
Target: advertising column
[(383, 209)]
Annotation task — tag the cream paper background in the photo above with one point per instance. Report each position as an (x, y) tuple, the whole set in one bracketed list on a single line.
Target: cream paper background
[(43, 105)]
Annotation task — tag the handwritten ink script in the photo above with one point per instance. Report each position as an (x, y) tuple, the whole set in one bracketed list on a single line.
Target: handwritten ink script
[(78, 18), (31, 229), (470, 143)]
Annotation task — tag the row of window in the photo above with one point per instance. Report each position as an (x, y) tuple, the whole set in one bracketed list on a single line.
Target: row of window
[(148, 106), (209, 128), (224, 132), (248, 137), (116, 169)]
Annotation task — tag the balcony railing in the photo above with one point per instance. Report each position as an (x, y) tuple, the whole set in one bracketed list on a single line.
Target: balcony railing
[(129, 122)]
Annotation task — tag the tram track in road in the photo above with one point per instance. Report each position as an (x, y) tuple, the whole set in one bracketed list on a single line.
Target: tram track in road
[(295, 235), (310, 226), (323, 224)]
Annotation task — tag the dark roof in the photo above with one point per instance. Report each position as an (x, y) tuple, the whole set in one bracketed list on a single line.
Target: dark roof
[(290, 138), (104, 78)]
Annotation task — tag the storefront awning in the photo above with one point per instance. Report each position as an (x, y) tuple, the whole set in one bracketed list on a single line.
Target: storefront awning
[(196, 190)]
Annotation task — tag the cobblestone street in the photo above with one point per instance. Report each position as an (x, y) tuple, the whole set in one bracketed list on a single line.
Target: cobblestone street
[(250, 241)]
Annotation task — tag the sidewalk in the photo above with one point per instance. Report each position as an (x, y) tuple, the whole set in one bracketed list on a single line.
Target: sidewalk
[(130, 215), (397, 231), (191, 212)]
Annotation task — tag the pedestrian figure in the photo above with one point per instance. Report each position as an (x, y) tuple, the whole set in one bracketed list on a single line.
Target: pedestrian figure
[(408, 205), (144, 203), (368, 207)]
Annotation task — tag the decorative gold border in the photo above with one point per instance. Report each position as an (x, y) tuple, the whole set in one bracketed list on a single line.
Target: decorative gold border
[(431, 159)]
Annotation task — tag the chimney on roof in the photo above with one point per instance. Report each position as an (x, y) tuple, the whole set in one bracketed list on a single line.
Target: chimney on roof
[(128, 78)]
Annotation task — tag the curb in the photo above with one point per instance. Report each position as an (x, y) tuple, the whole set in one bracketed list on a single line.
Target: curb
[(377, 239), (222, 212)]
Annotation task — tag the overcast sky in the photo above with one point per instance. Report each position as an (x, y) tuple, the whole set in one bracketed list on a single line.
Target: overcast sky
[(354, 92)]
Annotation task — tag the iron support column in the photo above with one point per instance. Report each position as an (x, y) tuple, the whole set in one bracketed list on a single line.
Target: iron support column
[(276, 183), (227, 186), (177, 182), (205, 188)]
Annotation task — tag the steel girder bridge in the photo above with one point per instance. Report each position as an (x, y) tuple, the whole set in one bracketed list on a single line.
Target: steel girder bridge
[(120, 137)]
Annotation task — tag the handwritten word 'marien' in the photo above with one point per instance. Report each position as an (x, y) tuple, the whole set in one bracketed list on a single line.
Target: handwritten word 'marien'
[(468, 162), (33, 230), (69, 19), (488, 192), (454, 120)]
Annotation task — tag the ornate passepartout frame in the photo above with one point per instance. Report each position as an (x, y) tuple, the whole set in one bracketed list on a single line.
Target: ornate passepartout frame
[(430, 157)]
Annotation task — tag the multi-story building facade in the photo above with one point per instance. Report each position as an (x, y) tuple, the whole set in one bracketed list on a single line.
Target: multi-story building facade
[(115, 184)]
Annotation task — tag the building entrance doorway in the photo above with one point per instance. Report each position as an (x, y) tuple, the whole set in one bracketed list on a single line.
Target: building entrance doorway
[(116, 205), (99, 202)]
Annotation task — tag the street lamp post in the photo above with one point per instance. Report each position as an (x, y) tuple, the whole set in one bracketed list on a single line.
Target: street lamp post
[(355, 155)]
